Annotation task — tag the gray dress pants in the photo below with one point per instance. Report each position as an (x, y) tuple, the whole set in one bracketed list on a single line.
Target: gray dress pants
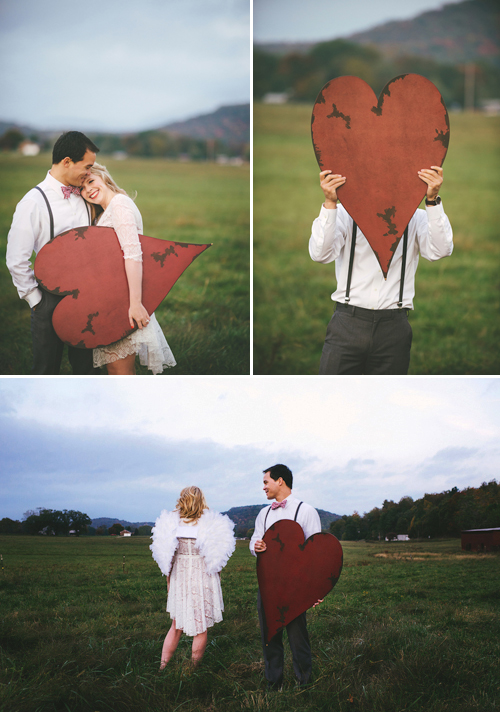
[(367, 341), (274, 654), (48, 347)]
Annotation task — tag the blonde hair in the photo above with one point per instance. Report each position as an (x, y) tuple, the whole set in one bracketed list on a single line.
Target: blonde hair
[(103, 173), (191, 503)]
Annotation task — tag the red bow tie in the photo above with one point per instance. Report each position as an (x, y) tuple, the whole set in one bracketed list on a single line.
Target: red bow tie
[(276, 505), (68, 189)]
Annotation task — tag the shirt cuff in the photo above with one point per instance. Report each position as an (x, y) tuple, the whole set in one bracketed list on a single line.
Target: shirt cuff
[(34, 297)]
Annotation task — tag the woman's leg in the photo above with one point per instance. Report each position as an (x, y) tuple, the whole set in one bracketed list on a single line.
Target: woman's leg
[(198, 647), (170, 644), (122, 367)]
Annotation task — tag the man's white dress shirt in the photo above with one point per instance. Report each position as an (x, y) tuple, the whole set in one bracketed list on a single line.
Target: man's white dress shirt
[(30, 231), (308, 518), (429, 234)]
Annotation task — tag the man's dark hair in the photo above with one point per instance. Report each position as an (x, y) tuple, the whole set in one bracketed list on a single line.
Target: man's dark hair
[(277, 471), (74, 145)]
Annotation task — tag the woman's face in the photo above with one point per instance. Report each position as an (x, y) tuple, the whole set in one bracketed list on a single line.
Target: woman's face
[(95, 191)]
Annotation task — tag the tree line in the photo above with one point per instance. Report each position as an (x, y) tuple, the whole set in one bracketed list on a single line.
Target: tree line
[(434, 515), (302, 75), (144, 144), (55, 522)]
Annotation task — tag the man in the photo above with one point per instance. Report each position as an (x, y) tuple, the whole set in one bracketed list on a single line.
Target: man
[(369, 332), (45, 212), (278, 482)]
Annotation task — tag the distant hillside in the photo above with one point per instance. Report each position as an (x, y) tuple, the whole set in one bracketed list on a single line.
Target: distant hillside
[(458, 32), (230, 124), (108, 522), (244, 517)]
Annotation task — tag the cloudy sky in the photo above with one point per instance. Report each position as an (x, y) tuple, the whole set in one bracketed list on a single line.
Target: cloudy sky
[(125, 448), (120, 65), (299, 21)]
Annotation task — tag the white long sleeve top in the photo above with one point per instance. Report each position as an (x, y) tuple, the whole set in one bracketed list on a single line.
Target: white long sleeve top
[(30, 231), (429, 234), (308, 518)]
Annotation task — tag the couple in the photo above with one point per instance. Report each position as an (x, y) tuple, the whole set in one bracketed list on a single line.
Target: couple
[(191, 545), (79, 192)]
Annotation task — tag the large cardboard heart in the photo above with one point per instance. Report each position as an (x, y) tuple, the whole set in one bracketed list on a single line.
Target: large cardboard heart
[(294, 574), (379, 146), (86, 264)]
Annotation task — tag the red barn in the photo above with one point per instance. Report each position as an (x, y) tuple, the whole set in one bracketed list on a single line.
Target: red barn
[(481, 539)]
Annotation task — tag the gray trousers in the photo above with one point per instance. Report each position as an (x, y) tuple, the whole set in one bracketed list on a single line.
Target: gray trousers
[(367, 341), (48, 347), (274, 654)]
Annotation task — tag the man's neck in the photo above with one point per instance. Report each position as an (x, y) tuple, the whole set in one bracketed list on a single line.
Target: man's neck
[(283, 495), (59, 174)]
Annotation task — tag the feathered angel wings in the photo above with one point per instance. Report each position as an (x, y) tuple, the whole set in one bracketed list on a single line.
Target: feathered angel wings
[(215, 540)]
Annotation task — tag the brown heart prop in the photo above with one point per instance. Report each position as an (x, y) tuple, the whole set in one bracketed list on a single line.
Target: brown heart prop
[(379, 146), (294, 574), (86, 266)]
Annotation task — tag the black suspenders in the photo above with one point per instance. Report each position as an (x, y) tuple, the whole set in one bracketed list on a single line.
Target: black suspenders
[(351, 262), (51, 216), (294, 519)]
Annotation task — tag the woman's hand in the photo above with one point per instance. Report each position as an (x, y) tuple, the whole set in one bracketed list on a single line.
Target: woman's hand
[(260, 545), (137, 312)]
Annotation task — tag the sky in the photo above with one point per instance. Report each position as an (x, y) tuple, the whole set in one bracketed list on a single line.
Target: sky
[(299, 21), (124, 448), (119, 65)]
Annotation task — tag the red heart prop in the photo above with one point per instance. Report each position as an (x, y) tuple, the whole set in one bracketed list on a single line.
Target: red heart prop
[(379, 146), (87, 264), (294, 574)]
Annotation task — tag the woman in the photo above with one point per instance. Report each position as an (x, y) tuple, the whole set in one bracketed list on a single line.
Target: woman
[(111, 207), (191, 545)]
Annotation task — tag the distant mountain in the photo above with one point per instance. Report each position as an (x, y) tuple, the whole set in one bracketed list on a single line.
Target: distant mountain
[(244, 517), (230, 124), (108, 522), (458, 32)]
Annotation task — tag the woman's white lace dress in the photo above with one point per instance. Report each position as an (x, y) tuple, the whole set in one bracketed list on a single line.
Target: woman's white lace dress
[(194, 597), (149, 342)]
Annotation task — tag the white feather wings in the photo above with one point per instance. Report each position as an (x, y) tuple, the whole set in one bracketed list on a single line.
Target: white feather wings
[(215, 540)]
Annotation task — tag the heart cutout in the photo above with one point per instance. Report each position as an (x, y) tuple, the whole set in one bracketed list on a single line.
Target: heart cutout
[(294, 574), (86, 266), (379, 146)]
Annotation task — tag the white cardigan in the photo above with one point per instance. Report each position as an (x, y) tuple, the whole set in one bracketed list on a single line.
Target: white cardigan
[(215, 540)]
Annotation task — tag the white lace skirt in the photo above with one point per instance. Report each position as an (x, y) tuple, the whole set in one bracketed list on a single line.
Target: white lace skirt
[(195, 597), (149, 343)]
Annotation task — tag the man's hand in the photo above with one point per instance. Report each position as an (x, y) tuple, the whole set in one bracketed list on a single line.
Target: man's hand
[(260, 545), (320, 600), (434, 179), (329, 183)]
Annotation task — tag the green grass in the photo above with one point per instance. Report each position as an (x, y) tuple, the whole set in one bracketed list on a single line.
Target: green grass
[(409, 627), (455, 322), (206, 315)]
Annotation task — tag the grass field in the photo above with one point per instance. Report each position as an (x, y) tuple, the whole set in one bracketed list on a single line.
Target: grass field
[(206, 315), (409, 627), (455, 322)]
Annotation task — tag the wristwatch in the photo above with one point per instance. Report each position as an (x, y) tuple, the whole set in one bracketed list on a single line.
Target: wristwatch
[(433, 202)]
